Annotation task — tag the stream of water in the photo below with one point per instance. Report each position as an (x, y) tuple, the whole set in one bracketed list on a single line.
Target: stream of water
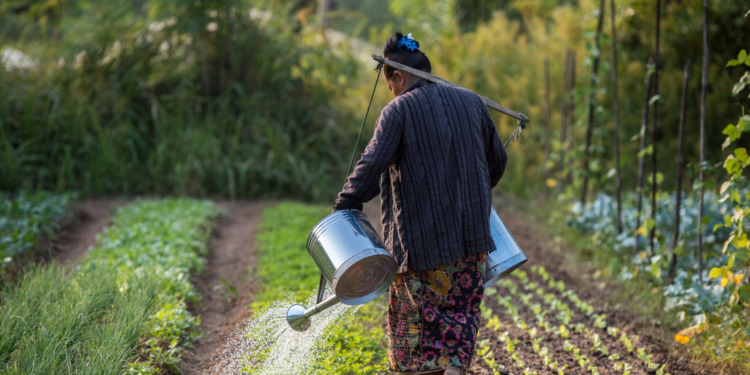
[(268, 345)]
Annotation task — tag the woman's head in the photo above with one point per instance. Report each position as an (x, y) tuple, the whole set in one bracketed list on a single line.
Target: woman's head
[(404, 50)]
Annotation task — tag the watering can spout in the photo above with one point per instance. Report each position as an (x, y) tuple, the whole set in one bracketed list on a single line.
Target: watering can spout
[(299, 318)]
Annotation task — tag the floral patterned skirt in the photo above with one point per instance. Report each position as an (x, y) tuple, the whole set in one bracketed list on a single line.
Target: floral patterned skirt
[(433, 317)]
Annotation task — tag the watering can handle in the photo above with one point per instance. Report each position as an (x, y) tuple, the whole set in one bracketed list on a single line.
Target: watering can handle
[(321, 289)]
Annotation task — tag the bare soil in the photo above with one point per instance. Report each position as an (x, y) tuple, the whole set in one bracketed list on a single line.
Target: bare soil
[(78, 235), (226, 286)]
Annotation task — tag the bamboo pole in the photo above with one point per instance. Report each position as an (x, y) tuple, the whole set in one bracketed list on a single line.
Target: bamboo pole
[(704, 76), (680, 167), (594, 81), (433, 78), (616, 113), (324, 6), (571, 116), (655, 128), (641, 147), (547, 124), (564, 113)]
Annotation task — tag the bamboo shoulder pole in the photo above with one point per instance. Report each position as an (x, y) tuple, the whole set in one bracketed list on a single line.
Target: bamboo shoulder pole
[(433, 78)]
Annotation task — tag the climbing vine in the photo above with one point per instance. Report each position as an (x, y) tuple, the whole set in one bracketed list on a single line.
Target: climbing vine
[(735, 190)]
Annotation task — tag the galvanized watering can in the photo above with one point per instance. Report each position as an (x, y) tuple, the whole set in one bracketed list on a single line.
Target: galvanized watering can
[(507, 255), (354, 262)]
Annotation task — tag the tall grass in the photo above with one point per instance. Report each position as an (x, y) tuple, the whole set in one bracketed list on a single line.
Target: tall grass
[(216, 103), (55, 324)]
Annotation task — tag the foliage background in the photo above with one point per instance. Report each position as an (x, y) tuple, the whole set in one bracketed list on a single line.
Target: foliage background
[(220, 98), (264, 99)]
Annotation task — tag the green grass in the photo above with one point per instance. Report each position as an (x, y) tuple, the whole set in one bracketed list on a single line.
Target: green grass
[(54, 323), (125, 303), (356, 347), (359, 347), (281, 242)]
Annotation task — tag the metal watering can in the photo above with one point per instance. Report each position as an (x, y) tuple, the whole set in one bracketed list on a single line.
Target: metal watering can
[(507, 255), (352, 259), (354, 262)]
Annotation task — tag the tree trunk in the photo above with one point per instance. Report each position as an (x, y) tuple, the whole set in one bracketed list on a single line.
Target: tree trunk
[(680, 167), (616, 113), (641, 147), (547, 124), (594, 81), (702, 137), (654, 129)]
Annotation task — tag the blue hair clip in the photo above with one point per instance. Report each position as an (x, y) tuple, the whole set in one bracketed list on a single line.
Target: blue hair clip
[(408, 42)]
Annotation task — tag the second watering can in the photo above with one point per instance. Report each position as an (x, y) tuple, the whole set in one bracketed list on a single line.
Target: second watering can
[(507, 255)]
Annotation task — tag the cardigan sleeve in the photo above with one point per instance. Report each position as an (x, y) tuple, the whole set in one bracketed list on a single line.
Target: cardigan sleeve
[(382, 151)]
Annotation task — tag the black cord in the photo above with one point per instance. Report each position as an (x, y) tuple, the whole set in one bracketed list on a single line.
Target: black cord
[(351, 163)]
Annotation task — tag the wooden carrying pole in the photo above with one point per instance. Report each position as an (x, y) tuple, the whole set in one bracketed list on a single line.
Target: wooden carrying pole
[(433, 78)]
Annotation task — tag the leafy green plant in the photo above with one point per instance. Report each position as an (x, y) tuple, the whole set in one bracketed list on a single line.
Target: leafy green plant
[(732, 274), (27, 217)]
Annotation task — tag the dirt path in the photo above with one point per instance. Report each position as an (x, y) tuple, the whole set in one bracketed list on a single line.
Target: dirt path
[(226, 287), (91, 217)]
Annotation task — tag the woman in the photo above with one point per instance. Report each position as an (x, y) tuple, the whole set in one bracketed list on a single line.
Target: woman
[(434, 157)]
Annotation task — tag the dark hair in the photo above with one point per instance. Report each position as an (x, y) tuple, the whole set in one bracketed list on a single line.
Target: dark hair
[(414, 59)]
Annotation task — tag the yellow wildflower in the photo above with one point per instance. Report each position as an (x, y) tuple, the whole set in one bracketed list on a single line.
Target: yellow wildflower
[(681, 339)]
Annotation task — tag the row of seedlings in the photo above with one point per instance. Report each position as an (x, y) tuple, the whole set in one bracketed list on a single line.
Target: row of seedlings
[(536, 301), (522, 331), (123, 309), (600, 323)]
